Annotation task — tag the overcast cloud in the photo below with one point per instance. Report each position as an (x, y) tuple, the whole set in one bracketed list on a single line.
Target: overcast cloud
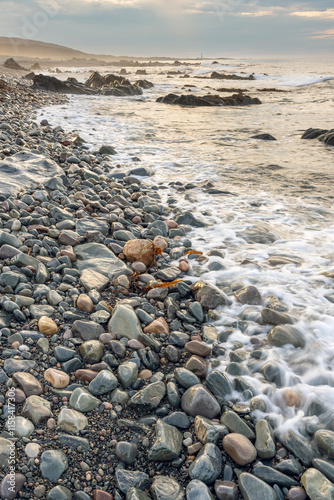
[(216, 28)]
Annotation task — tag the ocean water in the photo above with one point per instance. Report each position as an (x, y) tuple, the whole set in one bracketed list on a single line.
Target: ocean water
[(260, 199)]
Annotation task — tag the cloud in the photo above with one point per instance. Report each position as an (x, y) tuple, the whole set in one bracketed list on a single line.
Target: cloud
[(315, 14), (260, 13), (327, 34)]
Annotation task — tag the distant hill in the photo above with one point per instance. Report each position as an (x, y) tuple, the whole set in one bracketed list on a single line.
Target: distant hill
[(20, 47)]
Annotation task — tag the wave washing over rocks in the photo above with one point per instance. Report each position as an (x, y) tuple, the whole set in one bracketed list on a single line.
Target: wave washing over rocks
[(109, 350)]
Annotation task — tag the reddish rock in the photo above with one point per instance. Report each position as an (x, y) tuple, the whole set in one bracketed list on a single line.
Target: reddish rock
[(160, 242), (84, 374), (135, 344), (85, 303), (159, 325), (47, 326), (199, 348), (142, 250), (197, 365), (57, 378), (68, 252), (17, 395), (171, 224), (102, 495), (239, 448)]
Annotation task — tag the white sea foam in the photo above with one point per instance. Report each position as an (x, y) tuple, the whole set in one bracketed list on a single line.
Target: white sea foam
[(181, 144)]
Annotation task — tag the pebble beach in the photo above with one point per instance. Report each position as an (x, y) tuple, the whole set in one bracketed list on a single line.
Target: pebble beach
[(108, 350)]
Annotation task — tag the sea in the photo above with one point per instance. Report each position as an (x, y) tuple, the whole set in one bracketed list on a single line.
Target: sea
[(259, 199)]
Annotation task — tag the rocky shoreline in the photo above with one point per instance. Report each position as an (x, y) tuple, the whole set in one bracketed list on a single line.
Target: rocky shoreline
[(108, 350)]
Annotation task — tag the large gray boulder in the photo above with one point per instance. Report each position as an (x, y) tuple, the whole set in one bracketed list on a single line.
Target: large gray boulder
[(24, 170), (97, 257)]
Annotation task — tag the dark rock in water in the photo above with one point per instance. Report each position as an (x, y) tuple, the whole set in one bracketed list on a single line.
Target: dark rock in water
[(121, 90), (25, 169), (328, 138), (209, 100), (36, 65), (12, 64), (209, 296), (144, 84), (313, 133), (53, 84), (226, 76), (299, 447), (190, 219), (264, 137), (197, 400), (115, 85), (29, 76)]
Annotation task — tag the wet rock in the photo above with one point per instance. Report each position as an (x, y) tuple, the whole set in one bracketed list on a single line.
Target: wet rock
[(271, 317), (128, 373), (299, 447), (239, 448), (209, 431), (186, 378), (18, 365), (53, 464), (283, 335), (264, 137), (325, 442), (71, 420), (197, 490), (104, 382), (178, 419), (36, 409), (226, 490), (150, 396), (252, 488), (91, 351), (197, 400), (316, 485), (325, 467), (218, 383), (296, 493), (209, 296), (82, 400), (47, 326), (235, 424), (168, 443), (207, 465), (264, 444), (159, 326), (166, 488), (248, 295), (124, 322), (272, 476), (199, 348), (197, 365)]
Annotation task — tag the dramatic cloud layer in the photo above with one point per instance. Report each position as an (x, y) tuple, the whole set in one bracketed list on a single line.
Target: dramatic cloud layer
[(176, 27)]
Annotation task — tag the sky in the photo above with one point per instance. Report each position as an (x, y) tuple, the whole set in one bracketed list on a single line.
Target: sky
[(177, 28)]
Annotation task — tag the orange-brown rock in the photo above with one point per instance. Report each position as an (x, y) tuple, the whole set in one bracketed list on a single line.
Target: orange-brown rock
[(239, 448), (142, 250), (85, 303), (85, 374), (47, 326), (57, 378), (292, 398), (145, 374), (159, 325), (160, 242)]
